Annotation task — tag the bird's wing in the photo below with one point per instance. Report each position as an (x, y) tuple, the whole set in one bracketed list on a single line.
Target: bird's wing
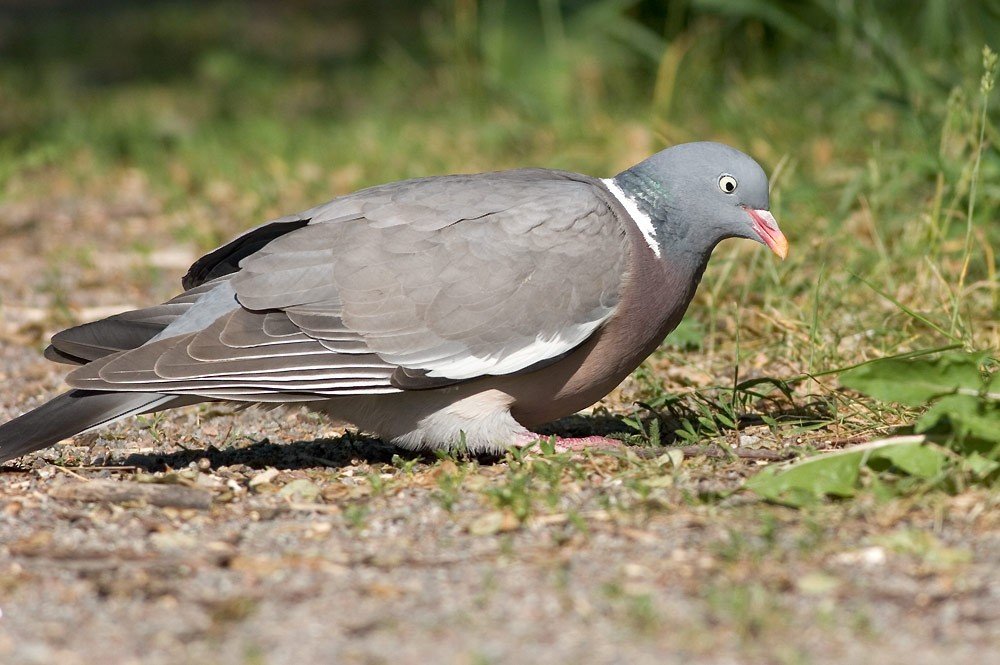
[(406, 286), (84, 343)]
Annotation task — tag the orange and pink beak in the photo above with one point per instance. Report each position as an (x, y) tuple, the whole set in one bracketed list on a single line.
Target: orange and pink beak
[(766, 227)]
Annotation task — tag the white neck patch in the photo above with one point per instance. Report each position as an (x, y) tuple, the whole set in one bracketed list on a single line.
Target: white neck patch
[(640, 218)]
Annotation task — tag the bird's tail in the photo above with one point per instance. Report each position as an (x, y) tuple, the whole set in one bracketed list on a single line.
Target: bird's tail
[(75, 412)]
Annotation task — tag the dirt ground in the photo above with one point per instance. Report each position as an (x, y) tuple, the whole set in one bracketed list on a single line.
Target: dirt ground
[(213, 536)]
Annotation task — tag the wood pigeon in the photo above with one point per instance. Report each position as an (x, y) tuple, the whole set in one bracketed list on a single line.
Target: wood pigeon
[(435, 312)]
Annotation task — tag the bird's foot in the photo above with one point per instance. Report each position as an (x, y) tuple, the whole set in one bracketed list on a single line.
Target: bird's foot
[(579, 444), (564, 444)]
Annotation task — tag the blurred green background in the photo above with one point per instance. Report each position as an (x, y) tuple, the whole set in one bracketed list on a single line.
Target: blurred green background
[(870, 116)]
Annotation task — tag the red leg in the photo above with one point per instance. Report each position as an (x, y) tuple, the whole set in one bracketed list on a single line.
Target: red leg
[(575, 444)]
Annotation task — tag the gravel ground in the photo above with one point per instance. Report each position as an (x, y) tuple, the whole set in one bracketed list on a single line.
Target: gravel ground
[(129, 547), (214, 536)]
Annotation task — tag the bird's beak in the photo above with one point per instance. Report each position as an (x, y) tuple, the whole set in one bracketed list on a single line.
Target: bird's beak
[(766, 227)]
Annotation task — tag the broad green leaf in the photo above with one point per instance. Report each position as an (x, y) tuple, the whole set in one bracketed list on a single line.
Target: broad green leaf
[(837, 473), (881, 490), (967, 415), (915, 382), (981, 466), (993, 385), (687, 336), (917, 459), (833, 474)]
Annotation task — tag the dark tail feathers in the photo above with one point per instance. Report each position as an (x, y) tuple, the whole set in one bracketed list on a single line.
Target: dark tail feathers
[(72, 413)]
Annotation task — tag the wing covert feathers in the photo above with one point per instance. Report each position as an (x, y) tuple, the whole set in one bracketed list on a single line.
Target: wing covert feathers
[(121, 332), (405, 286)]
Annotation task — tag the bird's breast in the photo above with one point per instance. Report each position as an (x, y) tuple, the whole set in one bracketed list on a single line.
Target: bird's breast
[(655, 294)]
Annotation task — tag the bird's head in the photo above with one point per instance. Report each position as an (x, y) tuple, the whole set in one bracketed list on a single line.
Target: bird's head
[(698, 194)]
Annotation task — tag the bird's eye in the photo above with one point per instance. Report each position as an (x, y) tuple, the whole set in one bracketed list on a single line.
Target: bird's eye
[(727, 183)]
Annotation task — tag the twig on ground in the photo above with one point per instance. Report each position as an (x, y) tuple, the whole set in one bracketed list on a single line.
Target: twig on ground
[(110, 491), (713, 450)]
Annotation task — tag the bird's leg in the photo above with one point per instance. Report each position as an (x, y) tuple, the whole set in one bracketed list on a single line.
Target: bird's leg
[(567, 444)]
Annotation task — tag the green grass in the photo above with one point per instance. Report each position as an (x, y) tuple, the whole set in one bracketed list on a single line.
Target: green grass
[(881, 142)]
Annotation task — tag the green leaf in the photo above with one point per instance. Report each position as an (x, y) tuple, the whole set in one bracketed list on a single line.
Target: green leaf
[(838, 473), (745, 386), (687, 336), (833, 474), (916, 382), (981, 466), (993, 386), (918, 460), (966, 414)]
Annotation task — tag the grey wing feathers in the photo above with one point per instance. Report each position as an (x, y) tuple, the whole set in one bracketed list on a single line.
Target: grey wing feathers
[(225, 259), (456, 282), (203, 363), (412, 285), (121, 332), (74, 412)]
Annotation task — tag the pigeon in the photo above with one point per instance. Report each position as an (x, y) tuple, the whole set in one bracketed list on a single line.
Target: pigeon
[(448, 312)]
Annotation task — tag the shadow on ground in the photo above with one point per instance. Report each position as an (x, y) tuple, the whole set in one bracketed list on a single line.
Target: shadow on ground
[(352, 448), (334, 453), (342, 451)]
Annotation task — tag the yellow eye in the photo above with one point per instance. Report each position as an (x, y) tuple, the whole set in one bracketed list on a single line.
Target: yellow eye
[(727, 183)]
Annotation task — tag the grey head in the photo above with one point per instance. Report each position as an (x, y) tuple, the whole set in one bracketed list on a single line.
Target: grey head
[(692, 196)]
